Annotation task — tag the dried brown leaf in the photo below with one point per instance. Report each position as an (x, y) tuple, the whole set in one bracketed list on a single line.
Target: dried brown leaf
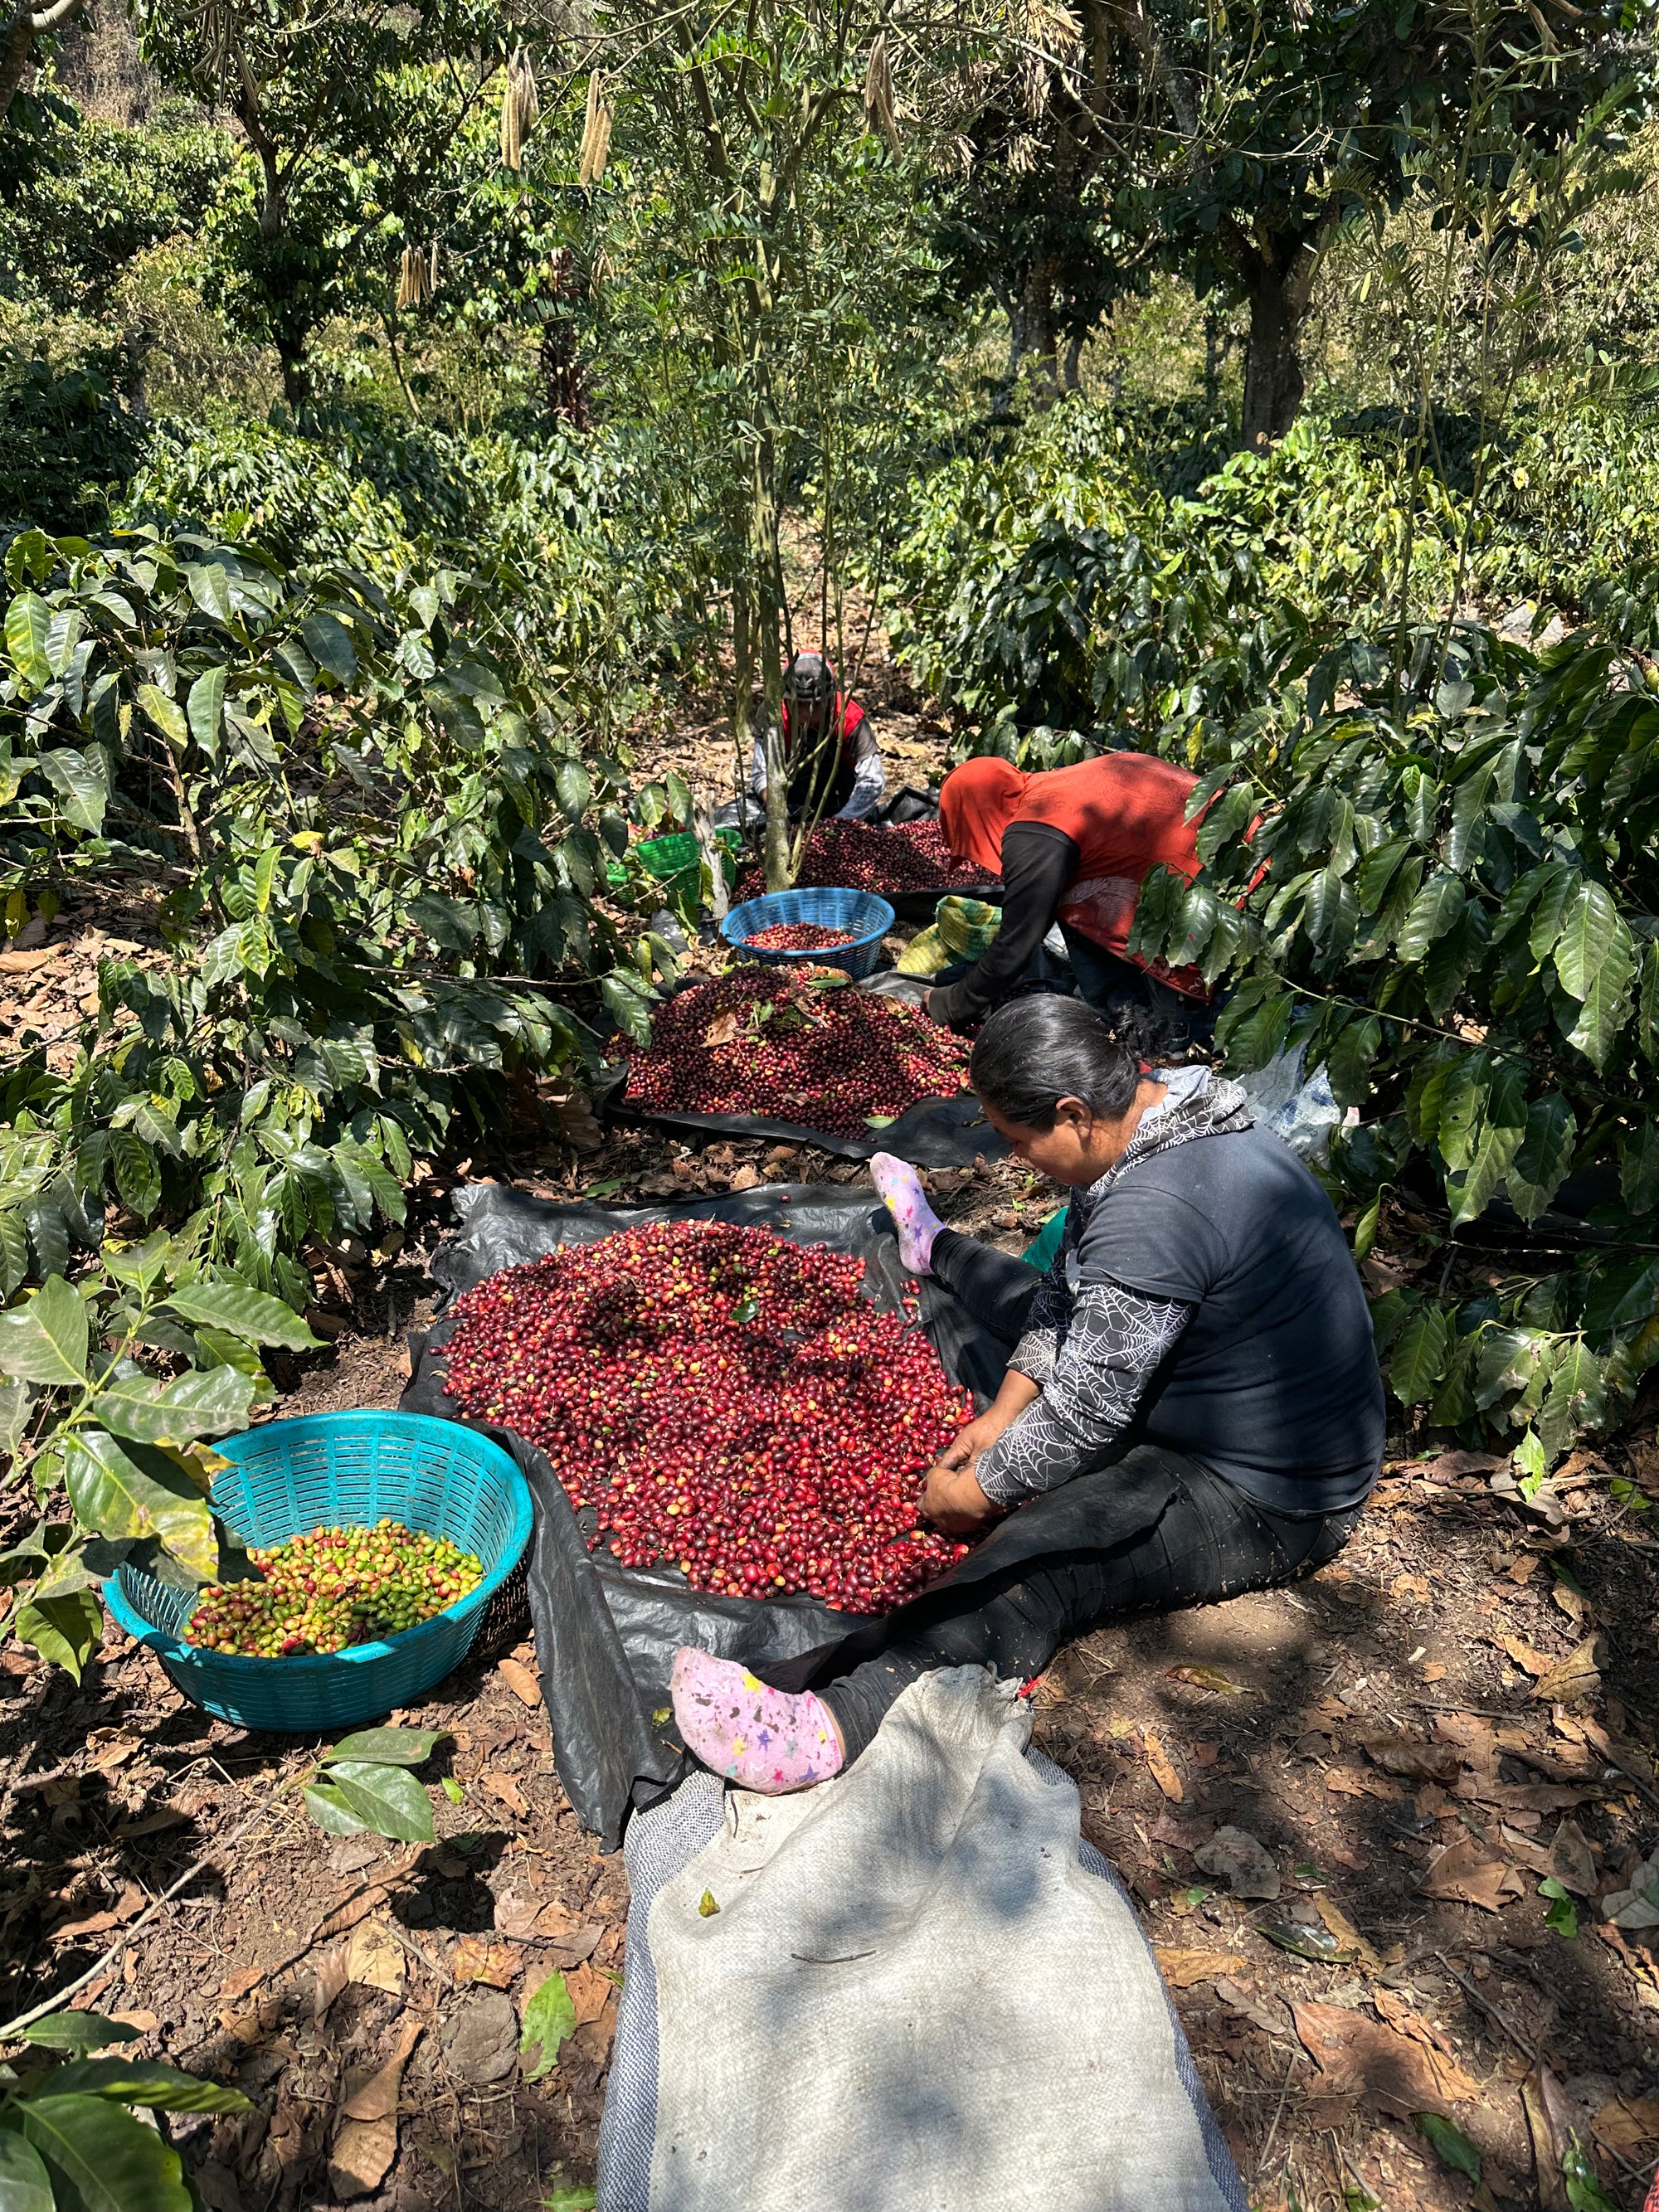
[(1572, 1680), (1162, 1768), (473, 1959), (1181, 1967), (1354, 1782), (374, 1959), (1417, 1762), (1467, 1872), (1629, 2125), (333, 1975), (588, 1990), (721, 1030), (1210, 1678), (1529, 1661), (1360, 2057), (1571, 1861), (506, 1791), (524, 1682), (1345, 1931), (377, 2099)]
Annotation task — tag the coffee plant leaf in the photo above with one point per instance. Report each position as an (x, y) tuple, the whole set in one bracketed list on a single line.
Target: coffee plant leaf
[(45, 1340), (251, 1314), (25, 2184), (64, 1630), (111, 2162)]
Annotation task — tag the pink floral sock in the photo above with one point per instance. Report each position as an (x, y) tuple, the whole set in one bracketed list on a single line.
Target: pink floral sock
[(899, 1188), (760, 1738)]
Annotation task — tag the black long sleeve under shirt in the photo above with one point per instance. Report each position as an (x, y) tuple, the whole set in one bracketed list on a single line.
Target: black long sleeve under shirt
[(1038, 863)]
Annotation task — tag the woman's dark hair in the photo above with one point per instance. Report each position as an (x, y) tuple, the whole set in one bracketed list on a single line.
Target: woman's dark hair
[(1035, 1052)]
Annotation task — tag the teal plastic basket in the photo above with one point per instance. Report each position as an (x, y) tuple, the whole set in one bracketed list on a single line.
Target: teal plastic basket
[(332, 1470)]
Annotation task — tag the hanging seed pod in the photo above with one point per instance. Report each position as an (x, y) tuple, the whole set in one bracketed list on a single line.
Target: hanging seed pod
[(432, 271), (519, 108), (878, 94), (596, 133)]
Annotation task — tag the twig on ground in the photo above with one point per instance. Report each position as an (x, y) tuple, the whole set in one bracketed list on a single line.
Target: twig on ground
[(1493, 2011), (1278, 2113), (12, 2029)]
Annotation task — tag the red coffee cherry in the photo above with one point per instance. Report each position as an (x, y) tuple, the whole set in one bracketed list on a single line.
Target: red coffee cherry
[(727, 1402)]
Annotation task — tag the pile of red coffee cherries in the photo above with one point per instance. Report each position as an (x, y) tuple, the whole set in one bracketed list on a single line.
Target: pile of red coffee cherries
[(862, 856), (794, 1045), (727, 1401), (797, 936)]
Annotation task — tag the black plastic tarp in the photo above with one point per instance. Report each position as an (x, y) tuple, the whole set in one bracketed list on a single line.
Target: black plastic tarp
[(607, 1635), (934, 1133)]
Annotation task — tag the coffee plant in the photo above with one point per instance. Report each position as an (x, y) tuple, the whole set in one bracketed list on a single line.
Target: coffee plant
[(1439, 881), (373, 854), (69, 2135)]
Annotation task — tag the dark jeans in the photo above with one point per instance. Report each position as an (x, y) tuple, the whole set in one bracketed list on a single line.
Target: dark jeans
[(1200, 1540), (1113, 986)]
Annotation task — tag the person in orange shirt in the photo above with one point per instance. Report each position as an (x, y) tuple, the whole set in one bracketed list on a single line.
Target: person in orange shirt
[(1072, 845)]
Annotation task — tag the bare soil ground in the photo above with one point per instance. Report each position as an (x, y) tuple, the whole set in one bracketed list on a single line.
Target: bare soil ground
[(1462, 1706)]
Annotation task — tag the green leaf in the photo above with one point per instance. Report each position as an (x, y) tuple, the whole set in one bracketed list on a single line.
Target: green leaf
[(45, 1340), (1584, 2188), (80, 777), (137, 1177), (1562, 1914), (1364, 1230), (14, 1252), (570, 2200), (389, 1747), (1434, 911), (66, 1630), (387, 1799), (1451, 2144), (549, 2018), (208, 1403), (16, 1404), (1348, 1063), (575, 787), (1576, 1400), (27, 620), (142, 2081), (627, 1009), (113, 2162), (116, 1496), (1541, 1165), (210, 588), (77, 2030), (331, 646), (251, 1314), (203, 708), (1421, 1352), (1638, 1168), (1605, 1000), (25, 2184), (166, 715), (1587, 931), (331, 1811)]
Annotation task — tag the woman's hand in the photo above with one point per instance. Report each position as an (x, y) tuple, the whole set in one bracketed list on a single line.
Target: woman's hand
[(954, 1501), (951, 1499), (968, 1443)]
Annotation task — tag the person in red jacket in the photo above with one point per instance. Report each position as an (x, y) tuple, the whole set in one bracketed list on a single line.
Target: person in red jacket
[(1072, 845), (831, 760)]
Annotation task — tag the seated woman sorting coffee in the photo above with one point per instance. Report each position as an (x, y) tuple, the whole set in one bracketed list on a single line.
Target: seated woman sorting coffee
[(1191, 1406)]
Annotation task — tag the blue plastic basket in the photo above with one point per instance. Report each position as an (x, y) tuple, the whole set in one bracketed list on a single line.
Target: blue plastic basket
[(865, 918), (332, 1470)]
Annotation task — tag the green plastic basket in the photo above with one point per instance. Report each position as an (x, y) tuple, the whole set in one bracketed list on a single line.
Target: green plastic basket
[(675, 861), (329, 1470)]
